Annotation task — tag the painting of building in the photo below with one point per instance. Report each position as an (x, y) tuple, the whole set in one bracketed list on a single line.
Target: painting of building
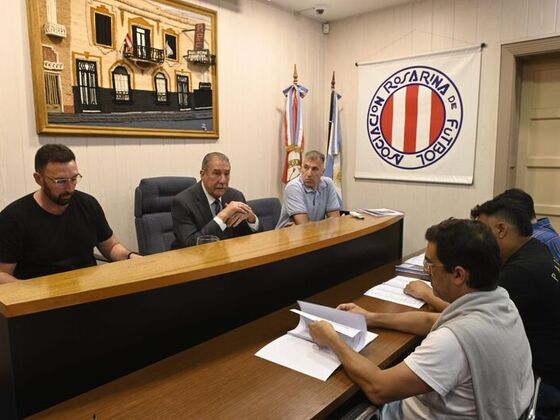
[(136, 66)]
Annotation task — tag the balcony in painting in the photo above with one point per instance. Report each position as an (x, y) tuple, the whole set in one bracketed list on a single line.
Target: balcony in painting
[(54, 29), (143, 56)]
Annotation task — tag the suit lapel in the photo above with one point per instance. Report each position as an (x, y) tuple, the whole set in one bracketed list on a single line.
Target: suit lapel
[(202, 204)]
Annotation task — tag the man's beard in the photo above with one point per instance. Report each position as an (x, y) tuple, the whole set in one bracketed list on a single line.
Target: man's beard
[(62, 199)]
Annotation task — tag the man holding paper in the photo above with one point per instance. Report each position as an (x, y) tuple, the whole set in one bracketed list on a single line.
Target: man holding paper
[(531, 276), (465, 367)]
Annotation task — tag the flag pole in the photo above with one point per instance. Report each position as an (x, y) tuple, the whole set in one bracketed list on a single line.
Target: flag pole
[(333, 168), (333, 83)]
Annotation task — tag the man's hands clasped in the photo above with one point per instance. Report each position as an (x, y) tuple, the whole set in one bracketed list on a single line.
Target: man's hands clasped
[(236, 212)]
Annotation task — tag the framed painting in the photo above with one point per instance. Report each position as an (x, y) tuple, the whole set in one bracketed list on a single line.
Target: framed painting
[(124, 68)]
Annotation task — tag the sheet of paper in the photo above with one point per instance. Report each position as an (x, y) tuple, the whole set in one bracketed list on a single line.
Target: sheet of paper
[(381, 212), (392, 291), (339, 328), (304, 356), (417, 260), (336, 316), (296, 351)]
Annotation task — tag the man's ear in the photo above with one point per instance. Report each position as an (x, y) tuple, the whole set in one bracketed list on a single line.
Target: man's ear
[(37, 178), (201, 172), (460, 276), (501, 229)]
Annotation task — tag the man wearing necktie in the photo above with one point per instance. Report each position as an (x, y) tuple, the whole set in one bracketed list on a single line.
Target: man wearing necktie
[(211, 207)]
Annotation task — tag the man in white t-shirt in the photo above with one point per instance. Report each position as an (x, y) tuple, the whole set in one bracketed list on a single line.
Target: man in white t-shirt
[(475, 362)]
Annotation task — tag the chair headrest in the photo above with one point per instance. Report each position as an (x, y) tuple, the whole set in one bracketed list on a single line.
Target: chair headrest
[(155, 195)]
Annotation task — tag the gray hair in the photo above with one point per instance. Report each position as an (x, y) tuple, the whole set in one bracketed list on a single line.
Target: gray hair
[(211, 156), (314, 155)]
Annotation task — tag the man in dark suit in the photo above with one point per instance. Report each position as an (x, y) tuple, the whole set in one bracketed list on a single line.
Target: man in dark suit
[(210, 207)]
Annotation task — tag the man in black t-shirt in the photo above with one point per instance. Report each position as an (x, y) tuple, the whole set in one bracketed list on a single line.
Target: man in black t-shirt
[(55, 228), (531, 276)]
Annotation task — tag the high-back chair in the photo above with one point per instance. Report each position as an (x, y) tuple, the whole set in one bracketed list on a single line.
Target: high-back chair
[(152, 211), (267, 210)]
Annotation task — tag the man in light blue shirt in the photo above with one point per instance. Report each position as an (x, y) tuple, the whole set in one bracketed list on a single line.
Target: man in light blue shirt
[(311, 196), (544, 232)]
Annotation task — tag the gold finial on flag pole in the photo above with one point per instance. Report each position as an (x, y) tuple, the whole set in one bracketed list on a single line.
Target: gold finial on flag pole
[(333, 82), (295, 75)]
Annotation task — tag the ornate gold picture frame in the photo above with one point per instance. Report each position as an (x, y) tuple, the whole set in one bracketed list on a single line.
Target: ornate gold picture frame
[(124, 68)]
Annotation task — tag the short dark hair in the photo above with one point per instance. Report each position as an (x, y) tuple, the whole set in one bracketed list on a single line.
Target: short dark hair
[(48, 153), (213, 155), (523, 198), (471, 245), (315, 155), (508, 209)]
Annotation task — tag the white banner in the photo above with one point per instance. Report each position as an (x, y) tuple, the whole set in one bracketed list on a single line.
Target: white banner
[(417, 117)]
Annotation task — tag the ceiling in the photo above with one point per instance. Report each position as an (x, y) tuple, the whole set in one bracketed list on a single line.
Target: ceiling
[(334, 9)]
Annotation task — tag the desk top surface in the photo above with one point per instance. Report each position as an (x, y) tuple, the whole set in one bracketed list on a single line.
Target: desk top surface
[(221, 378), (179, 266)]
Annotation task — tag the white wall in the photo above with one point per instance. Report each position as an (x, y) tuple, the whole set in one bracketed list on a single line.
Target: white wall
[(257, 48), (420, 27)]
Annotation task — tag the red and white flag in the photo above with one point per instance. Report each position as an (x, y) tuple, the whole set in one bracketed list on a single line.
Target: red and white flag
[(417, 117), (293, 131), (128, 42)]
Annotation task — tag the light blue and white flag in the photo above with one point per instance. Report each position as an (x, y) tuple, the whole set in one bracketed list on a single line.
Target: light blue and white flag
[(333, 169)]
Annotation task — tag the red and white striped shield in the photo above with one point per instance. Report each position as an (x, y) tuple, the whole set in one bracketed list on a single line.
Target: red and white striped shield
[(412, 118)]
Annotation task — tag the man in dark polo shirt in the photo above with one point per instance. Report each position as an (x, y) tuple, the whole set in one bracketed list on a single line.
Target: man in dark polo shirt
[(531, 276)]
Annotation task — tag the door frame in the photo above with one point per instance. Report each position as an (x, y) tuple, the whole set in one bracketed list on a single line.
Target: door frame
[(509, 101)]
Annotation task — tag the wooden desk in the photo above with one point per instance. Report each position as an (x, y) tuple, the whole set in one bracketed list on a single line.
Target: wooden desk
[(222, 378), (65, 334)]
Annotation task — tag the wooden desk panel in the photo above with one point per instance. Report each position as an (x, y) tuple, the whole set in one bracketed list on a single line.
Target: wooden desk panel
[(222, 378), (183, 265), (68, 333)]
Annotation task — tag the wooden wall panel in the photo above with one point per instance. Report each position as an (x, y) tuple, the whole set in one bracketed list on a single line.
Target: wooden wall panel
[(513, 24), (431, 26), (541, 17), (258, 46)]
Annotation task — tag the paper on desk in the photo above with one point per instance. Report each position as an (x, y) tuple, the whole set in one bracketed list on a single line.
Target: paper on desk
[(393, 291), (381, 212), (414, 265), (295, 350), (417, 260), (339, 328)]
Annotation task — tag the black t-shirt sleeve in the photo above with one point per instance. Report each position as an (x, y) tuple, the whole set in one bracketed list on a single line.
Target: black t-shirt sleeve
[(11, 239), (103, 230)]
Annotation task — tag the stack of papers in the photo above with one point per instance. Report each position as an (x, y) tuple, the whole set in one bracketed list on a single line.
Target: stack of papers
[(297, 351), (393, 291), (381, 212), (417, 260), (414, 265)]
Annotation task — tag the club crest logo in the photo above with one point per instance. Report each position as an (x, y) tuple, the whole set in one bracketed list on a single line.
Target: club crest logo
[(414, 117)]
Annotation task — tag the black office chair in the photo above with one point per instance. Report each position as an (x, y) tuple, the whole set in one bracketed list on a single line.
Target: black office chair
[(152, 211), (267, 210)]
